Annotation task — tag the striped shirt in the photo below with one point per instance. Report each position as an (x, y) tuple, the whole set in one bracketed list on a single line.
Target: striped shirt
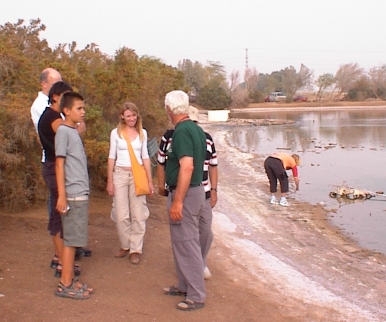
[(210, 157)]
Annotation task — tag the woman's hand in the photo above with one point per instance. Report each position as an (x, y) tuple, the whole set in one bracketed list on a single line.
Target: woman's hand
[(151, 188), (297, 183), (110, 188)]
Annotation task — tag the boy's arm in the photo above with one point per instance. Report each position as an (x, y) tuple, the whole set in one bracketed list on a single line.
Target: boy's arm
[(61, 204)]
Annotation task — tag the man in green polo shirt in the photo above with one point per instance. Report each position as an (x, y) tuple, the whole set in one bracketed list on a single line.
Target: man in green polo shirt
[(186, 199)]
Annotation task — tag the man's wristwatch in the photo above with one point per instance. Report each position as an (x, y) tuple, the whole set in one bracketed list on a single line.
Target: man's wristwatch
[(215, 189)]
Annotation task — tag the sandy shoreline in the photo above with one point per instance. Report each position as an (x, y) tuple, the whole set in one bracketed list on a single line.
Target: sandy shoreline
[(295, 249)]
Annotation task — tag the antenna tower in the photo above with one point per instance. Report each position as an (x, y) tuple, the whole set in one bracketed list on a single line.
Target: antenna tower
[(246, 58)]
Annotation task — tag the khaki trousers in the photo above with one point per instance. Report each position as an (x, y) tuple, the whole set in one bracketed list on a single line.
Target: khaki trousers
[(129, 211)]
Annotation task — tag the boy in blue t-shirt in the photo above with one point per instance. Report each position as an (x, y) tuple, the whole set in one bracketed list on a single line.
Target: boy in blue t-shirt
[(73, 193)]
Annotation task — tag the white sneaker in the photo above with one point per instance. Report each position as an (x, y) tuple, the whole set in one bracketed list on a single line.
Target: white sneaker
[(207, 273), (274, 201), (284, 203)]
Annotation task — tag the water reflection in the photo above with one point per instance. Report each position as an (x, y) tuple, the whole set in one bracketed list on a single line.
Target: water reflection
[(336, 147)]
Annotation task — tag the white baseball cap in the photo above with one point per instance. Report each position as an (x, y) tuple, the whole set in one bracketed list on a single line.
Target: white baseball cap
[(193, 113)]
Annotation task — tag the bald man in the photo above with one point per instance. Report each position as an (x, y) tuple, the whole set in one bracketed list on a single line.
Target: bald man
[(48, 77)]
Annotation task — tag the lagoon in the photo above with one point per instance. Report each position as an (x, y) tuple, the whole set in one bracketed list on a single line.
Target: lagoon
[(338, 147)]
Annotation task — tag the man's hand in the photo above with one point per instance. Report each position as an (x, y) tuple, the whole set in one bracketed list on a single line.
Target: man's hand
[(175, 211), (213, 198), (161, 191)]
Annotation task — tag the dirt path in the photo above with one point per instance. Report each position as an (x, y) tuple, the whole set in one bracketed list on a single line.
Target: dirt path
[(268, 264), (123, 291)]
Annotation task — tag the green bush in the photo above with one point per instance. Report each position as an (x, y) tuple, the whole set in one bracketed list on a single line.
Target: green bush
[(105, 82), (213, 97)]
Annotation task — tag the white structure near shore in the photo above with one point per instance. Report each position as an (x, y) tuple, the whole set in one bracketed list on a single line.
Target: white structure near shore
[(218, 115)]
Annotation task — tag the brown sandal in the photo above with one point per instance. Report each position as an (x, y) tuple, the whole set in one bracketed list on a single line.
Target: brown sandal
[(174, 291), (188, 305)]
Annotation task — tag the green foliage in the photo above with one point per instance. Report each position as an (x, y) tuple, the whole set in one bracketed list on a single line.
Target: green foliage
[(293, 81), (287, 80), (360, 91), (323, 82), (105, 82), (214, 97), (209, 83), (197, 76), (20, 156), (256, 96), (381, 93)]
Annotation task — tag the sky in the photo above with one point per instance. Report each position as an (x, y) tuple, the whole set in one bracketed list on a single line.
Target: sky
[(266, 35)]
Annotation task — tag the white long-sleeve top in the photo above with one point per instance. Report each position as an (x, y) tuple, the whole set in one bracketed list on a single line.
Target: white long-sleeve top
[(119, 150), (38, 106)]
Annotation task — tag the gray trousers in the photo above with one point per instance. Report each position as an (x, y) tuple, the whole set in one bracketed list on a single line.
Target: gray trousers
[(205, 229), (186, 245)]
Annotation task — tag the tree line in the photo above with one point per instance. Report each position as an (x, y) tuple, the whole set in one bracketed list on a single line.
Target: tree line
[(215, 90)]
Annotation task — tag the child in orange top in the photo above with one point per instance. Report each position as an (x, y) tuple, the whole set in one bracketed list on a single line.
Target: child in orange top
[(275, 167)]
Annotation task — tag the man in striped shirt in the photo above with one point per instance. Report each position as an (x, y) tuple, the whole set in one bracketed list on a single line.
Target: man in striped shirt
[(209, 181)]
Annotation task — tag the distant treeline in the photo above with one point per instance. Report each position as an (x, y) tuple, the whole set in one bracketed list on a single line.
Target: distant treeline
[(105, 82)]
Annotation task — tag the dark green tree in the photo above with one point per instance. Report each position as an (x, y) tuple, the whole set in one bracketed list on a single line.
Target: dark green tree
[(213, 96)]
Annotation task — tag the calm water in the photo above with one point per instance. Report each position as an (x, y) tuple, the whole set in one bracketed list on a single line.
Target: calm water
[(337, 147)]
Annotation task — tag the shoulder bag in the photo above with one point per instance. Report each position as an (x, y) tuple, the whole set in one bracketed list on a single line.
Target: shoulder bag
[(140, 178)]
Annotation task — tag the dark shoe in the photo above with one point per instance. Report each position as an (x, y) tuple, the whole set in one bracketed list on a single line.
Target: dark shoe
[(174, 291), (87, 252), (79, 253), (54, 262), (134, 258), (188, 305), (121, 253), (58, 270)]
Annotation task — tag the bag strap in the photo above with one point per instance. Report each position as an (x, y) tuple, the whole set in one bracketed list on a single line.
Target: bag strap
[(133, 158)]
